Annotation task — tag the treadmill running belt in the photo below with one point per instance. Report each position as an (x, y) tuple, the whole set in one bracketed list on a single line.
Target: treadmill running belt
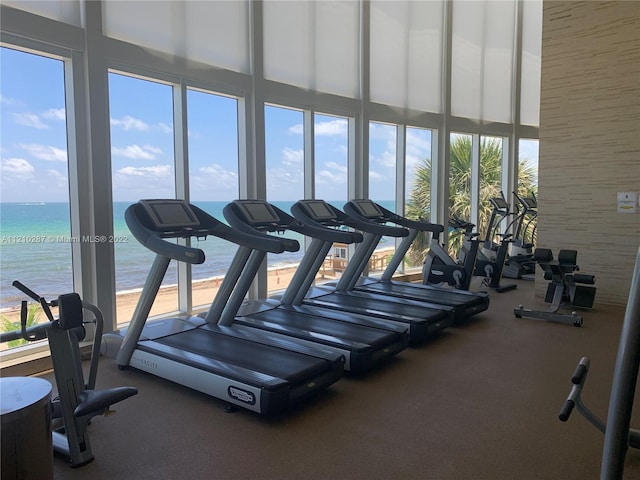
[(277, 362), (413, 292)]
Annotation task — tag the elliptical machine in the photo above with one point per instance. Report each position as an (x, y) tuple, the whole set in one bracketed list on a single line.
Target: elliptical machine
[(490, 269), (78, 402), (524, 233), (518, 258)]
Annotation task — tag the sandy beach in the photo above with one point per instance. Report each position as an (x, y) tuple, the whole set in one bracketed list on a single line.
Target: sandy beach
[(204, 291)]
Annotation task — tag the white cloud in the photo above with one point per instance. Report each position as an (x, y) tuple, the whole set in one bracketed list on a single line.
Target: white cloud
[(286, 181), (146, 152), (57, 179), (17, 168), (14, 102), (55, 114), (296, 129), (418, 141), (153, 171), (155, 181), (214, 181), (334, 173), (30, 120), (219, 174), (292, 157), (337, 127), (164, 128), (418, 148), (386, 160), (130, 123), (45, 152)]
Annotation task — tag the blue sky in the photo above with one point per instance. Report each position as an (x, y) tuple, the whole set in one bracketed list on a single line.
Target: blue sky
[(33, 149)]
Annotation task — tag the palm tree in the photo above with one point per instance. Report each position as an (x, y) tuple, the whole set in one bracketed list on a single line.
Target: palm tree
[(10, 324), (460, 173)]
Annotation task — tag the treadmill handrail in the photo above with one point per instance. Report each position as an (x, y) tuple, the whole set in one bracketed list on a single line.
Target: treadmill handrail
[(302, 214), (142, 229), (324, 232), (389, 216), (234, 216)]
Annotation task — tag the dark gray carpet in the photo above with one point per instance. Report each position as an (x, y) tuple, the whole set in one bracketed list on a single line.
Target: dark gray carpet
[(480, 402)]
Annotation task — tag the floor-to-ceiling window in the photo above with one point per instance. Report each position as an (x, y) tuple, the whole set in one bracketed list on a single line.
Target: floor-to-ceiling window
[(35, 242), (212, 122), (284, 155), (331, 158), (418, 187), (527, 189), (398, 76), (143, 166), (490, 178)]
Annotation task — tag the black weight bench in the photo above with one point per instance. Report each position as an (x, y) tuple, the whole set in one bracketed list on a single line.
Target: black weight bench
[(566, 288)]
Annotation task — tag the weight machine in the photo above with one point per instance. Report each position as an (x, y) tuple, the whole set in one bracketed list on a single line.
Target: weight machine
[(566, 288), (78, 402)]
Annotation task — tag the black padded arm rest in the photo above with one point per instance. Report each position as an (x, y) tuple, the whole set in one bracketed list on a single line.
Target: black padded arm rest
[(567, 257), (542, 255), (95, 401), (584, 279)]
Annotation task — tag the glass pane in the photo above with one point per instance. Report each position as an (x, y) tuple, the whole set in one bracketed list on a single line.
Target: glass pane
[(418, 188), (331, 158), (528, 153), (382, 164), (466, 59), (287, 43), (142, 162), (531, 62), (406, 54), (490, 177), (34, 208), (382, 184), (498, 60), (213, 181), (331, 169), (313, 45), (460, 168), (285, 183), (67, 11), (482, 59), (337, 43), (216, 33)]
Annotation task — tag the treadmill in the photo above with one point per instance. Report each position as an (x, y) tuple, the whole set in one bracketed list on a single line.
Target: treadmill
[(423, 319), (465, 303), (364, 341), (244, 367)]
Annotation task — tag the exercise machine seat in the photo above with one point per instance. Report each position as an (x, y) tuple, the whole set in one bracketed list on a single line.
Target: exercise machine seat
[(94, 402)]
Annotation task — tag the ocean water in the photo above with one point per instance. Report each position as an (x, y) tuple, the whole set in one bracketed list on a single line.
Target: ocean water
[(36, 242)]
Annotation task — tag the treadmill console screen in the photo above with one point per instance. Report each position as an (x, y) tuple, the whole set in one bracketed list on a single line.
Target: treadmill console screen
[(258, 213), (319, 210), (170, 214), (499, 203), (368, 209)]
